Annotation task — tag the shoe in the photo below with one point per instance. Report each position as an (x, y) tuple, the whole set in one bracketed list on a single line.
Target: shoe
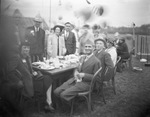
[(49, 108)]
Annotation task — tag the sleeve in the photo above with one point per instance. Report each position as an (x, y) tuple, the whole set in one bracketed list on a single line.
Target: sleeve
[(12, 63), (63, 46), (74, 43), (44, 40), (108, 61), (49, 44)]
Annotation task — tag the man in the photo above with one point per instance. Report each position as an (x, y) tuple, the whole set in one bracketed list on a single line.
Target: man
[(84, 37), (103, 56), (82, 77), (25, 50), (36, 37), (70, 40), (56, 43)]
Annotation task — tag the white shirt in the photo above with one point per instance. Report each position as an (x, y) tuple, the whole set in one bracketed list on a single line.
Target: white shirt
[(113, 54)]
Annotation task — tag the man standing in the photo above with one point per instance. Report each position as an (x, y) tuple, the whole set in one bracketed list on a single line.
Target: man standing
[(70, 40), (82, 77), (84, 37), (36, 37)]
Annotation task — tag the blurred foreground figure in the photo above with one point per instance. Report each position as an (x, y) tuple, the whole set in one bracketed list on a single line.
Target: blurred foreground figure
[(36, 37)]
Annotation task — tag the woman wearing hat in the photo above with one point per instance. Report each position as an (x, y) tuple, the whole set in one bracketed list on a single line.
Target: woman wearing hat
[(56, 43), (111, 49)]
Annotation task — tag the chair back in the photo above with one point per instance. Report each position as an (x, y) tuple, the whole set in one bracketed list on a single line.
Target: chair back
[(118, 59), (93, 79)]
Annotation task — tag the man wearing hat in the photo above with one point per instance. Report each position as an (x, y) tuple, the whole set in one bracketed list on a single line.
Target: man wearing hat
[(89, 64), (36, 37), (70, 39), (111, 49), (104, 57)]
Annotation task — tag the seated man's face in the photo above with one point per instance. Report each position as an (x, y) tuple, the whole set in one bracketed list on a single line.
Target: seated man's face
[(88, 48), (25, 50), (99, 45)]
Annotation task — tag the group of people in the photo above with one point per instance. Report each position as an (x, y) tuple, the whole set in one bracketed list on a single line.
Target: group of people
[(95, 52)]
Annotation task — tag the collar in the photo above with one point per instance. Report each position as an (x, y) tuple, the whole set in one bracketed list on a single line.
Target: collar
[(36, 29), (99, 51), (88, 56)]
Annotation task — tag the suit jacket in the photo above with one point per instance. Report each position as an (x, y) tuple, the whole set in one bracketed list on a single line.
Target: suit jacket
[(16, 63), (52, 45), (88, 67), (106, 61), (70, 43), (36, 40)]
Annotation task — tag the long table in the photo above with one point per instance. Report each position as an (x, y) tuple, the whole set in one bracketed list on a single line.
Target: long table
[(59, 76)]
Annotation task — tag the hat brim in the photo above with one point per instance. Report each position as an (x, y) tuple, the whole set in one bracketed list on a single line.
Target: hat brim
[(37, 20), (101, 40), (60, 26)]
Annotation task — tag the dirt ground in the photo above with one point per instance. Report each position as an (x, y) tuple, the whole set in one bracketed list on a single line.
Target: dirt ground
[(132, 98)]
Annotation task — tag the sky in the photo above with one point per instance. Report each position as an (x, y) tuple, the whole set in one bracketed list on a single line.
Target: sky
[(116, 12)]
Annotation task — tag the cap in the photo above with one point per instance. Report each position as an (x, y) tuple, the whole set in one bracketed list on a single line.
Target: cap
[(99, 39), (89, 42)]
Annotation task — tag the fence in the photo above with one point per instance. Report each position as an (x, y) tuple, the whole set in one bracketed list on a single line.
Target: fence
[(142, 46)]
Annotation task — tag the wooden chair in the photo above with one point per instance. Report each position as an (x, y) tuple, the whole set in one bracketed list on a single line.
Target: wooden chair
[(86, 94), (110, 78)]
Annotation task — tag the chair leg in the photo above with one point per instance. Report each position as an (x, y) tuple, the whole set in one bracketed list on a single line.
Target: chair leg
[(72, 104), (113, 84), (103, 95)]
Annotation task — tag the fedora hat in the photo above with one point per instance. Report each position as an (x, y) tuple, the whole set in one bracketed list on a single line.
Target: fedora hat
[(99, 39)]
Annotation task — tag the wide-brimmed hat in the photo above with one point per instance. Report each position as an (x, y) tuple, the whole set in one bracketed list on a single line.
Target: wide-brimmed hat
[(99, 39), (59, 26), (38, 18)]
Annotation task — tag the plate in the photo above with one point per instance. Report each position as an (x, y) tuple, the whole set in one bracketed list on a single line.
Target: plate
[(48, 69), (37, 63)]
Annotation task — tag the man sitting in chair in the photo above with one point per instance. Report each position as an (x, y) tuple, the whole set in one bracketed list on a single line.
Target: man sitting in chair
[(89, 64)]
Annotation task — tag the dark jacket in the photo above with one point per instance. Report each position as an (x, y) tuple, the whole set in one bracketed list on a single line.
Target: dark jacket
[(36, 40), (106, 61), (70, 43)]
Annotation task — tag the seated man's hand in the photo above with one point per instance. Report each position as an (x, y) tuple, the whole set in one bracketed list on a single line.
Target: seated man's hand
[(81, 75), (35, 73)]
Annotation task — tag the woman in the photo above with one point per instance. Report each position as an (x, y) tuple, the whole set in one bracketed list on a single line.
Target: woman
[(111, 49), (56, 44)]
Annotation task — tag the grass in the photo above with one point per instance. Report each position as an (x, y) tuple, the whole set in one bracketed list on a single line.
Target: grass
[(132, 99)]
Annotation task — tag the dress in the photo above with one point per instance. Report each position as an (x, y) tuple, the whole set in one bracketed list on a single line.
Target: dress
[(54, 48)]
